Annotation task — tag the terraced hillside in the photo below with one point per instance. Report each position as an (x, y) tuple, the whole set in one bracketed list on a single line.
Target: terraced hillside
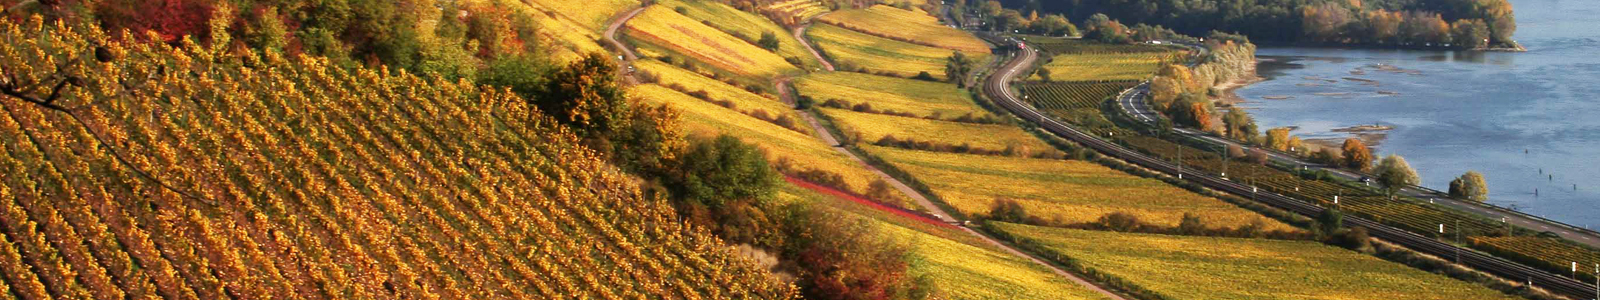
[(668, 31), (912, 26), (921, 98), (851, 50), (745, 26), (959, 265), (207, 173), (1179, 267), (570, 27)]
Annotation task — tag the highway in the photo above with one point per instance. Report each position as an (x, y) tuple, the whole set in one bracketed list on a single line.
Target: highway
[(998, 88)]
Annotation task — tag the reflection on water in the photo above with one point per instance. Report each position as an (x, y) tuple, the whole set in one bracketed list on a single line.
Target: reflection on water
[(1527, 120)]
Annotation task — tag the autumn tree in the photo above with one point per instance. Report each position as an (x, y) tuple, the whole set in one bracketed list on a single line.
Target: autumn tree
[(1102, 28), (1171, 81), (1356, 155), (1278, 138), (1470, 186), (1240, 126), (1470, 33), (170, 19), (1395, 174), (1191, 110)]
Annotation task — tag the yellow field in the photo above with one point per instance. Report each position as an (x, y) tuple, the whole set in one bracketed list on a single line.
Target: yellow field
[(799, 9), (961, 265), (742, 99), (871, 127), (571, 31), (1074, 191), (1106, 66), (700, 117), (914, 26), (660, 26), (887, 93), (750, 26), (878, 54), (1183, 267)]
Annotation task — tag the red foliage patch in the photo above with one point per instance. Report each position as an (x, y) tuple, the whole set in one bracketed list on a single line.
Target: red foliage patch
[(170, 19), (869, 203)]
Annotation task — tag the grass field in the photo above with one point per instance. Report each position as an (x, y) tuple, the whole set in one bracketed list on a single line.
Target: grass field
[(744, 25), (887, 93), (1183, 267), (960, 265), (872, 126), (877, 54), (571, 27), (662, 27), (1073, 191), (913, 26), (807, 152)]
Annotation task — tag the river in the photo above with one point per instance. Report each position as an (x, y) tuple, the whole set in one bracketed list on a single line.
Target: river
[(1529, 121)]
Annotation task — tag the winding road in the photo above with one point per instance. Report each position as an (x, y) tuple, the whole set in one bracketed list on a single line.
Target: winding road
[(998, 88)]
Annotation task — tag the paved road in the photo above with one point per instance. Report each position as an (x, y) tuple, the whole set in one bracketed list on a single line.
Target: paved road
[(1133, 102), (998, 87)]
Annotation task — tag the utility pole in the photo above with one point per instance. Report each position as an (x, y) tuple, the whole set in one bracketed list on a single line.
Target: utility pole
[(1458, 241)]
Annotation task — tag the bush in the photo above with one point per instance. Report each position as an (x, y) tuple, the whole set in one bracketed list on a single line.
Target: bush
[(925, 76), (721, 170)]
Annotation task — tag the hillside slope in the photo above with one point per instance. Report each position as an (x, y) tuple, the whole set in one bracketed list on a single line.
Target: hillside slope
[(270, 177)]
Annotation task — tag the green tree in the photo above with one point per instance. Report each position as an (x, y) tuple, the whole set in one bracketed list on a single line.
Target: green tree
[(1470, 186), (1356, 155), (1240, 126), (723, 169), (768, 41), (585, 97), (957, 67), (1470, 33), (1330, 221), (1044, 74), (1395, 174)]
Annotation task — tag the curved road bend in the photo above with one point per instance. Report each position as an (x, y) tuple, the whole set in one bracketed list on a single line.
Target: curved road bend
[(800, 35), (823, 134), (998, 88)]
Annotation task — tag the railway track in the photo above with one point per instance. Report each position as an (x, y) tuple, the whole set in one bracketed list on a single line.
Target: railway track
[(998, 88)]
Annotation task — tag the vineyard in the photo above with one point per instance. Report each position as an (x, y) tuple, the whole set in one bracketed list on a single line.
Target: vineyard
[(1181, 267), (743, 25), (869, 127), (570, 32), (880, 55), (662, 27), (804, 151), (211, 173), (961, 265), (914, 27), (1551, 253), (1072, 95), (926, 99), (1070, 191), (795, 11), (1073, 60)]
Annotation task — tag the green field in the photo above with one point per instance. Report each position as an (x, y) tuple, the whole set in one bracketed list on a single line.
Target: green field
[(918, 97), (960, 265), (1069, 190), (877, 54), (913, 26), (662, 27), (744, 25), (1182, 267)]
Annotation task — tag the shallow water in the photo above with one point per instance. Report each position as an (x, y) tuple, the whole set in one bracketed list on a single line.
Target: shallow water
[(1529, 121)]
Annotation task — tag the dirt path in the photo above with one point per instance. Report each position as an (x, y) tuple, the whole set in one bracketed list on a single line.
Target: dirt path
[(800, 35), (626, 70)]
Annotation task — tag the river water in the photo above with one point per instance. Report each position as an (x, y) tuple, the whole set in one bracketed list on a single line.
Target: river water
[(1529, 121)]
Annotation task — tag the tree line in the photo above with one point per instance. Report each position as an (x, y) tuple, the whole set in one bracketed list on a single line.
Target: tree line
[(1467, 24)]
